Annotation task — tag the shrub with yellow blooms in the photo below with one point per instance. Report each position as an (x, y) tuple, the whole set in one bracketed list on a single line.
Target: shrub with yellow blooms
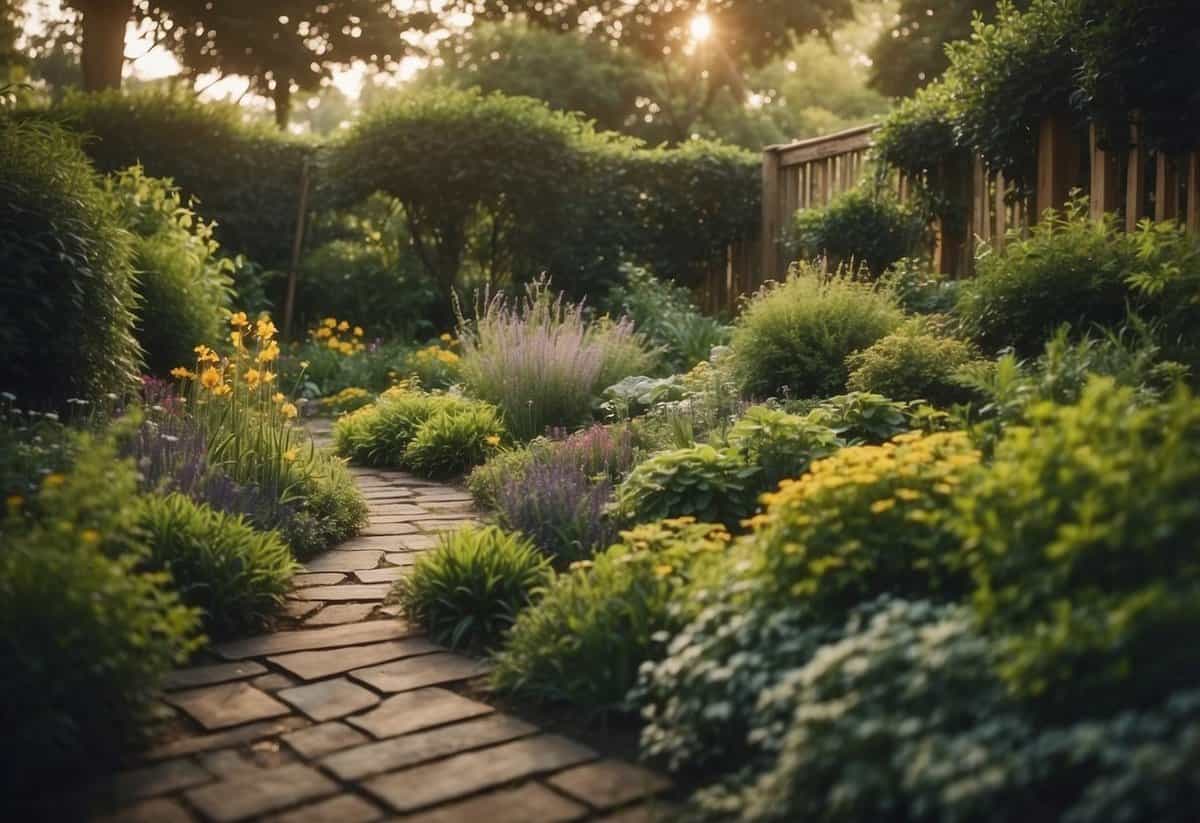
[(338, 336), (436, 365)]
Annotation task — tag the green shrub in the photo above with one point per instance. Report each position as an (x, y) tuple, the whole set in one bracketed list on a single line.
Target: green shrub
[(583, 641), (667, 315), (236, 575), (185, 287), (327, 510), (468, 592), (780, 444), (858, 228), (793, 337), (86, 634), (919, 290), (710, 484), (1081, 534), (437, 365), (66, 319), (377, 435), (913, 364), (505, 465), (451, 443), (542, 363), (862, 417)]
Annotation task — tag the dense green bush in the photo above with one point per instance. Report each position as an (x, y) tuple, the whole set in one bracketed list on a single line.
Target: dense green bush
[(451, 443), (667, 315), (861, 228), (377, 435), (505, 465), (327, 508), (919, 289), (468, 592), (1091, 506), (185, 288), (914, 363), (66, 317), (863, 417), (86, 634), (708, 483), (583, 641), (246, 177), (780, 444), (233, 573), (793, 337)]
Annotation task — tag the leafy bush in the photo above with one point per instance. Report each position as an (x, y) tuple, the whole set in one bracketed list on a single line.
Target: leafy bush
[(667, 315), (862, 417), (1080, 533), (583, 641), (236, 575), (780, 444), (858, 228), (66, 320), (468, 592), (486, 480), (347, 400), (710, 484), (913, 364), (379, 434), (452, 442), (86, 635), (918, 289), (437, 365), (1070, 269), (541, 362), (184, 285), (327, 508), (793, 337)]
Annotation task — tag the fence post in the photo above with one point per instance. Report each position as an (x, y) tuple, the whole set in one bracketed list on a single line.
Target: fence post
[(1135, 185), (1166, 188), (1103, 194), (770, 213), (1193, 193), (1057, 160)]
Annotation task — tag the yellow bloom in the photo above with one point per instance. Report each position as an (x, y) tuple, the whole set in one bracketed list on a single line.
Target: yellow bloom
[(90, 536), (492, 440), (663, 569), (343, 326), (346, 348), (304, 364), (210, 378), (447, 356), (269, 352), (252, 376), (53, 481), (291, 454), (322, 333), (333, 343), (358, 331), (907, 494), (268, 377), (222, 390), (266, 329), (329, 322), (278, 397), (182, 373), (235, 337), (289, 410), (880, 506), (238, 320), (445, 338), (205, 355)]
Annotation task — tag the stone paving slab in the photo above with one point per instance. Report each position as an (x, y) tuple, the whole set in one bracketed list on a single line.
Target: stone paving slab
[(230, 704), (608, 784), (161, 778), (524, 804), (416, 710), (403, 558), (340, 613), (317, 579), (233, 737), (384, 575), (324, 738), (345, 808), (419, 747), (353, 635), (264, 791), (317, 664), (466, 774), (346, 560), (417, 672), (349, 591), (211, 675), (329, 699), (158, 810)]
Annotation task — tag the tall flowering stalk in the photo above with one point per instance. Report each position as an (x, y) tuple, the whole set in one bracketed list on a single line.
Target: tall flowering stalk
[(542, 362), (241, 415)]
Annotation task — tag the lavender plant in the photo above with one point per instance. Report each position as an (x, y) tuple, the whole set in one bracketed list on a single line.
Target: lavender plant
[(559, 508)]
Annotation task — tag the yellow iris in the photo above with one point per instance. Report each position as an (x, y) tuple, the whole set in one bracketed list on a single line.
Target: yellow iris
[(492, 440), (252, 377), (291, 454), (238, 320), (343, 326), (266, 329), (235, 337), (269, 353), (358, 331), (182, 373), (205, 355), (289, 410), (210, 378)]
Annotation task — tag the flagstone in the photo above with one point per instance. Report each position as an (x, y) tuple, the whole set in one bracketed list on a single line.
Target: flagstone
[(211, 674), (351, 634), (233, 737), (608, 784), (314, 665), (324, 738), (416, 672), (416, 710), (329, 699), (342, 560), (385, 575), (523, 804), (261, 792), (341, 613), (345, 808), (230, 704), (348, 591), (317, 579)]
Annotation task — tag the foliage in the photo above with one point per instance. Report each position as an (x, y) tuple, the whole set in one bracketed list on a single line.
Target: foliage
[(66, 317), (468, 592), (235, 575), (583, 641), (86, 634), (541, 362), (711, 484), (913, 363), (486, 480), (437, 365), (379, 434), (793, 337), (920, 290), (328, 508), (665, 313), (351, 398), (184, 285), (862, 417), (452, 442), (863, 227), (780, 444), (706, 408), (1080, 533)]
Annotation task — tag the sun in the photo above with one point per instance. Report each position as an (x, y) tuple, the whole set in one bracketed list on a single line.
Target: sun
[(701, 27)]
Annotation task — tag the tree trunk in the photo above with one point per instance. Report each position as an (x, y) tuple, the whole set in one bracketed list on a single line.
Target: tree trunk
[(282, 95), (103, 53)]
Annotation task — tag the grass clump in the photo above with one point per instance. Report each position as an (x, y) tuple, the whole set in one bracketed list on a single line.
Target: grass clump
[(453, 442)]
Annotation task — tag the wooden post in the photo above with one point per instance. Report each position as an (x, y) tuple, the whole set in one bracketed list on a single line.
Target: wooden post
[(1135, 185), (1001, 212), (1193, 193), (1057, 159), (770, 214), (1103, 195), (1166, 188), (289, 305)]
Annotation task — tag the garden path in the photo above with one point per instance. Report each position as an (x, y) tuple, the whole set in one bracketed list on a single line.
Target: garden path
[(347, 714)]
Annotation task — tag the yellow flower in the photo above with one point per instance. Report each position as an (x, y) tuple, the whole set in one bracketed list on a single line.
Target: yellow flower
[(445, 338), (269, 352), (291, 454), (182, 373), (205, 355), (447, 356), (343, 326), (346, 348), (663, 569), (266, 329), (238, 320), (235, 337), (53, 481), (333, 343), (90, 536), (222, 390), (252, 376), (880, 506), (329, 322), (907, 494), (278, 397), (358, 331), (322, 333), (289, 410), (304, 364), (492, 440), (210, 378), (268, 377)]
